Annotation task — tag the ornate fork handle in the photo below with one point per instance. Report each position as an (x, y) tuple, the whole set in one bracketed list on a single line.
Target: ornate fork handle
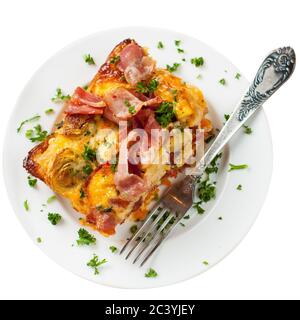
[(275, 70)]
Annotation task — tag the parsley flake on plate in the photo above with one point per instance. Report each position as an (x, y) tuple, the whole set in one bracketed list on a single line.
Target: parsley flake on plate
[(54, 218), (247, 129), (226, 117), (89, 59), (198, 207), (160, 45), (51, 199), (239, 187), (35, 118), (26, 205), (94, 263), (238, 76), (37, 134), (205, 263), (151, 273), (177, 43), (85, 238), (49, 111), (113, 249), (197, 61), (31, 181), (206, 191), (237, 167), (60, 96), (222, 82), (174, 67)]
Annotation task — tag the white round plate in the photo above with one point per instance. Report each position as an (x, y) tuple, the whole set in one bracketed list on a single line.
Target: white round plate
[(204, 238)]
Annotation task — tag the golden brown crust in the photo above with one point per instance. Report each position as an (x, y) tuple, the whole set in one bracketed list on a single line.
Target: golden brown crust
[(29, 162)]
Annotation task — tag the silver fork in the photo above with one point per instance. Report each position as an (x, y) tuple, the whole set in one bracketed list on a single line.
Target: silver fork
[(275, 70)]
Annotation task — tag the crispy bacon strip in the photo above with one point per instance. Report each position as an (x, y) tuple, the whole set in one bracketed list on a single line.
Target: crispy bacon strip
[(104, 221), (130, 185), (123, 104), (83, 102), (135, 64)]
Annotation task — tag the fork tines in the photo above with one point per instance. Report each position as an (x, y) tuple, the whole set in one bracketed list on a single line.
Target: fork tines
[(147, 239)]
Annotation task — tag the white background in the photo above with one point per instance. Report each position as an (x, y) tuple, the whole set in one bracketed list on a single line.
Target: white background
[(266, 264)]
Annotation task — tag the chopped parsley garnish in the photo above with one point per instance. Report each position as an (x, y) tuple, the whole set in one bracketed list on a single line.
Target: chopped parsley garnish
[(115, 59), (49, 111), (151, 273), (85, 238), (177, 43), (39, 240), (226, 117), (239, 187), (220, 218), (237, 167), (197, 61), (95, 263), (35, 118), (222, 82), (238, 76), (199, 209), (26, 205), (174, 67), (87, 133), (133, 229), (149, 88), (206, 191), (113, 249), (180, 50), (183, 59), (199, 76), (85, 87), (213, 166), (37, 134), (114, 166), (89, 154), (174, 93), (102, 209), (205, 263), (89, 59), (31, 181), (54, 218), (247, 129), (82, 193), (59, 124), (160, 45), (60, 96), (131, 108), (87, 169), (51, 199), (165, 113)]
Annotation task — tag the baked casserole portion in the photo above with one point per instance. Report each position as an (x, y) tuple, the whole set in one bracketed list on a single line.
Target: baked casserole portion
[(79, 160)]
